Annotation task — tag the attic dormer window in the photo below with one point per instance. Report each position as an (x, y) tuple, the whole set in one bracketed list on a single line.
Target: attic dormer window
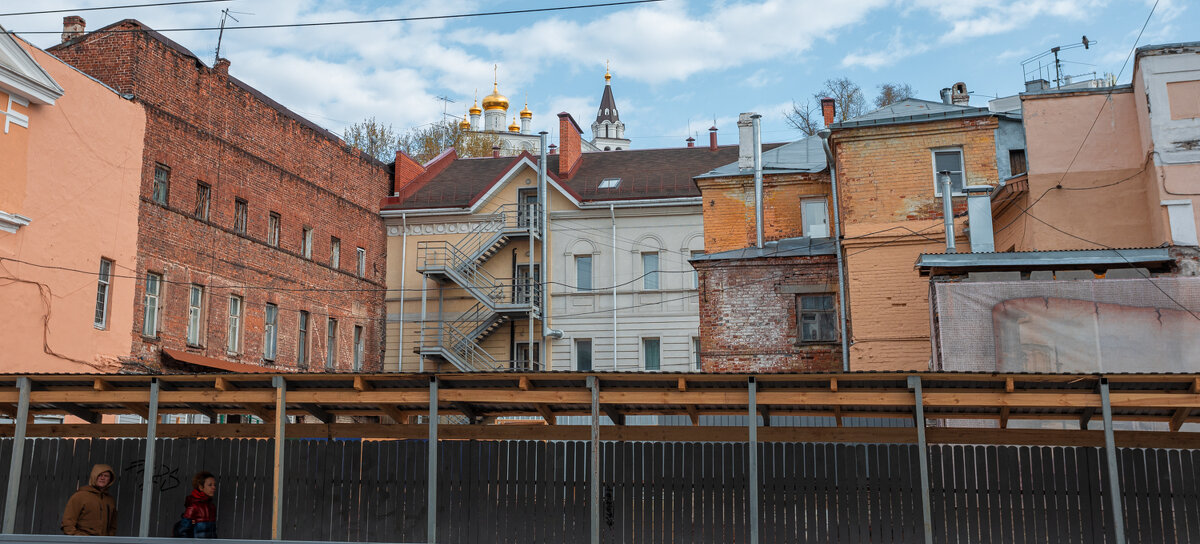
[(610, 183)]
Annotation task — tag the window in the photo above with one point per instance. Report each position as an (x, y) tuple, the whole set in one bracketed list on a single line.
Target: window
[(815, 215), (306, 243), (302, 340), (950, 160), (1016, 162), (362, 262), (270, 328), (335, 252), (273, 229), (696, 273), (162, 184), (195, 314), (650, 353), (358, 347), (331, 343), (239, 216), (650, 271), (583, 272), (609, 183), (696, 352), (203, 195), (523, 359), (234, 338), (150, 313), (103, 283), (817, 318), (583, 354)]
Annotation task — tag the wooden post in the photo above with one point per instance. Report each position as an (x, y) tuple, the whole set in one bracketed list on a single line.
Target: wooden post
[(280, 426), (1110, 452), (594, 443), (752, 427), (151, 460), (914, 383), (18, 456), (432, 479)]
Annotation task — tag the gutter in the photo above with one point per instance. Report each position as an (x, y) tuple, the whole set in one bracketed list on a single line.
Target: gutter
[(837, 236)]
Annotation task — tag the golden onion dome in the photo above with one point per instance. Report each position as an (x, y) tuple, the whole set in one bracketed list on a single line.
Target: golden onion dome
[(495, 101), (514, 127), (525, 113), (464, 124), (475, 109)]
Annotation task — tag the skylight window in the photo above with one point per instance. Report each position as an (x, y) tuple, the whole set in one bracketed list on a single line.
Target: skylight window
[(610, 183)]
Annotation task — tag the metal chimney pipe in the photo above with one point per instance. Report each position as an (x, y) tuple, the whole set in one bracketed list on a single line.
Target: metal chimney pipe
[(756, 119), (544, 202), (947, 209)]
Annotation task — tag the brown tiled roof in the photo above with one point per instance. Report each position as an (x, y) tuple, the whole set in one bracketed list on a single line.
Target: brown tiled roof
[(644, 173)]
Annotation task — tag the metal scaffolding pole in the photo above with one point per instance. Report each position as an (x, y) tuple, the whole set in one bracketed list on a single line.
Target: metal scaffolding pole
[(752, 427), (151, 461), (431, 480), (914, 383), (594, 443), (280, 425), (1110, 452), (18, 456)]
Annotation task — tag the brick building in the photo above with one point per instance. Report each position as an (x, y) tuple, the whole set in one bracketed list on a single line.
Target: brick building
[(259, 241), (771, 308)]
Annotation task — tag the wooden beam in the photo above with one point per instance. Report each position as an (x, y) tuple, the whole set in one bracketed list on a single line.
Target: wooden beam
[(1009, 387), (837, 415), (1181, 414), (318, 412), (395, 413), (682, 383), (141, 411), (264, 413), (615, 415), (765, 412), (79, 412), (1086, 417), (833, 385), (693, 413), (361, 384), (547, 415), (523, 383), (468, 411), (101, 385), (223, 384)]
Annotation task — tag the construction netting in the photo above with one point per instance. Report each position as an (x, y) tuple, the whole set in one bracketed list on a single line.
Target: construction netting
[(1090, 325)]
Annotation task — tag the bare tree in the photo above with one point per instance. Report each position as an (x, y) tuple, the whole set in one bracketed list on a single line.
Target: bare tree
[(425, 143), (805, 117), (373, 138), (848, 103), (890, 93)]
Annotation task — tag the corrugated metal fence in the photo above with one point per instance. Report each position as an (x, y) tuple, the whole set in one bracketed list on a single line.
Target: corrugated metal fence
[(523, 491)]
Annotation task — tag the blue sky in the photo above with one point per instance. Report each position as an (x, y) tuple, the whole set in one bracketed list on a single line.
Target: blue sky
[(676, 65)]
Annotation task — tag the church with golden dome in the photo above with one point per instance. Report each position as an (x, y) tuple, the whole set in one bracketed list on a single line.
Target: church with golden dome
[(608, 132)]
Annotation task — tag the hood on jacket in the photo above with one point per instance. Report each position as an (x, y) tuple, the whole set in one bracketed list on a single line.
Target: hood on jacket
[(99, 469)]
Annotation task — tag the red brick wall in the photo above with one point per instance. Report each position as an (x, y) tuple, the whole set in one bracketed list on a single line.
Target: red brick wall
[(729, 208), (207, 127), (748, 314)]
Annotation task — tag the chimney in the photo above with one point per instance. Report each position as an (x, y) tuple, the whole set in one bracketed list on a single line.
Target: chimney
[(827, 110), (73, 26), (946, 96), (979, 216), (570, 138), (691, 141), (959, 95), (495, 152), (553, 149), (222, 67), (746, 140), (407, 170), (712, 138), (1036, 85)]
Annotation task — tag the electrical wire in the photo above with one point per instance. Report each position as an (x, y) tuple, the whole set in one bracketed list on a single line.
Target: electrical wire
[(156, 4)]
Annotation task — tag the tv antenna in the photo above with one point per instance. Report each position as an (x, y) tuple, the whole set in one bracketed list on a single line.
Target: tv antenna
[(446, 101), (225, 14), (1057, 64)]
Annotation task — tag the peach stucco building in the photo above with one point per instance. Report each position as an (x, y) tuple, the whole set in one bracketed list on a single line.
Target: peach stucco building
[(70, 158)]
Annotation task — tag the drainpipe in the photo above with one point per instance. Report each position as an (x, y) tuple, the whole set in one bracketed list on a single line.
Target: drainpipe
[(403, 264), (758, 181), (837, 239), (544, 198), (612, 213), (947, 209)]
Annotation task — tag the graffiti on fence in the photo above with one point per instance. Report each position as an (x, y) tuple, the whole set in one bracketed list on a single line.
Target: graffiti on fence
[(165, 477)]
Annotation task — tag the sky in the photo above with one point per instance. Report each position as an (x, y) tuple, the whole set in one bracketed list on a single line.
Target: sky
[(678, 66)]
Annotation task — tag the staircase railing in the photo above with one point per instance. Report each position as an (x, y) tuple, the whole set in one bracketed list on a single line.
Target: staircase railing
[(506, 218), (469, 355)]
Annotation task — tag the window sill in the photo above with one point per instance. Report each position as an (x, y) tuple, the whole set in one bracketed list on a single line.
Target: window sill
[(151, 339), (818, 343), (99, 327), (190, 345)]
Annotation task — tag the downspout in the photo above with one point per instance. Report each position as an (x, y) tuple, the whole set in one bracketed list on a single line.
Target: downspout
[(756, 119), (544, 198), (403, 263), (612, 213), (837, 239)]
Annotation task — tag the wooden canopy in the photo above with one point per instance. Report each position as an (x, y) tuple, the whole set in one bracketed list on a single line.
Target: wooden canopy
[(491, 400)]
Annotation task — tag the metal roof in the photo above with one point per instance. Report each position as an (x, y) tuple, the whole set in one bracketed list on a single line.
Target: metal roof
[(1041, 260), (913, 110), (788, 247), (801, 156)]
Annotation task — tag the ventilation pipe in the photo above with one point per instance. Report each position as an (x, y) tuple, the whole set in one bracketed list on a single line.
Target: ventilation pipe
[(947, 209), (758, 181), (946, 96), (544, 203), (837, 240)]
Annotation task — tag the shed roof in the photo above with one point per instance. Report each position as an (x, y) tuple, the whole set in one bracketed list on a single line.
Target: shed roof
[(801, 156), (801, 246), (1044, 260)]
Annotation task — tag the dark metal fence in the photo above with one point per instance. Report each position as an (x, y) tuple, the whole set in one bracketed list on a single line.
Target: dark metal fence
[(528, 491)]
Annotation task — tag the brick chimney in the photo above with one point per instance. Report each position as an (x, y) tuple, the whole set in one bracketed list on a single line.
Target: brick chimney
[(407, 170), (73, 27), (222, 67), (827, 110), (553, 149), (959, 95), (570, 139), (691, 141), (745, 140), (495, 152), (712, 138)]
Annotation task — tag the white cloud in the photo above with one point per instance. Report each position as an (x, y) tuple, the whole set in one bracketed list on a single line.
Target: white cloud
[(899, 47), (977, 18)]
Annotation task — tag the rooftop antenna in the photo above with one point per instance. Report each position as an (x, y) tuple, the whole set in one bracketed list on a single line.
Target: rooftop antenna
[(1058, 77), (225, 13), (446, 101)]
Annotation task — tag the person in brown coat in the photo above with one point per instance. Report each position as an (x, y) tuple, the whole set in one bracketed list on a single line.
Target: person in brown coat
[(91, 510)]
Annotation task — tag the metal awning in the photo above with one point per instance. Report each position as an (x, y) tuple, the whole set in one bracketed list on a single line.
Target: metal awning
[(1076, 259)]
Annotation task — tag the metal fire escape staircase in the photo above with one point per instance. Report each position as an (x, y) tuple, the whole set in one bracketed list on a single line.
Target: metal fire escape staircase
[(498, 300)]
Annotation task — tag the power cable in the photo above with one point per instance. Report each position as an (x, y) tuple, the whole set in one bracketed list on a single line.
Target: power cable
[(156, 4)]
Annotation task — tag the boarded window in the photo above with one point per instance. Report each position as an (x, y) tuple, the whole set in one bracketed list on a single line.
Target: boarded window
[(1016, 162)]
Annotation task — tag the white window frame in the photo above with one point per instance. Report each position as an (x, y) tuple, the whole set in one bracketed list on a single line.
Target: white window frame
[(579, 280), (103, 293), (642, 352), (362, 262), (270, 331), (591, 351), (233, 340), (195, 324), (306, 243), (655, 275), (359, 346), (804, 202), (962, 163), (694, 347), (152, 305), (335, 252)]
